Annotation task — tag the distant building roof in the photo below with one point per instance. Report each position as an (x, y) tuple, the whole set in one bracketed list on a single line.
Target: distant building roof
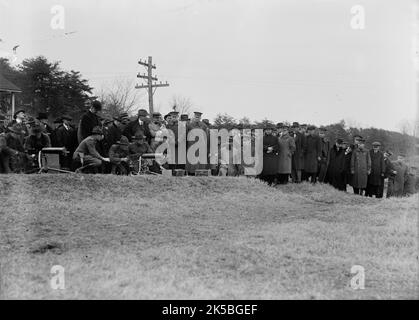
[(6, 85)]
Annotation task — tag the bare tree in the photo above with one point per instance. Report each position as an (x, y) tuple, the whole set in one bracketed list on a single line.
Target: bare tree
[(181, 104), (119, 97), (407, 127)]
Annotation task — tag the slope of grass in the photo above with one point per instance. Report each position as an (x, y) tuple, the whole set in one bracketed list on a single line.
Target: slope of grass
[(198, 238)]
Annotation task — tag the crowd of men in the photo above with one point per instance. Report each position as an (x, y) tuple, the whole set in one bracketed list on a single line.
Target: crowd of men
[(290, 153), (304, 153)]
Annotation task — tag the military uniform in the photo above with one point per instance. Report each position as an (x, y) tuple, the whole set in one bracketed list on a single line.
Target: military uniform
[(117, 153)]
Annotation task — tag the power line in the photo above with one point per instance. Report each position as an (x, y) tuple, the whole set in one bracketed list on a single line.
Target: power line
[(150, 78)]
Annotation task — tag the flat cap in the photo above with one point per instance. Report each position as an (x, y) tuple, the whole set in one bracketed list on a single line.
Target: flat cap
[(376, 144)]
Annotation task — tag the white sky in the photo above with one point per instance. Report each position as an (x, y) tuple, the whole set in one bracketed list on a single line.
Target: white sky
[(283, 59)]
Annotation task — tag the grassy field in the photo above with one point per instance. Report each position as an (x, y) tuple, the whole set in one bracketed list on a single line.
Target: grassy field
[(201, 238)]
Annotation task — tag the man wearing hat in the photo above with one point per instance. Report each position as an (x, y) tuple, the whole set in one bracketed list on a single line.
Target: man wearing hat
[(173, 124), (357, 138), (184, 118), (298, 156), (156, 128), (336, 174), (89, 121), (53, 137), (312, 154), (376, 177), (138, 125), (270, 156), (114, 131), (43, 119), (36, 141), (285, 152), (196, 123), (19, 122), (389, 174), (87, 154), (13, 156), (19, 116), (66, 136), (324, 154), (360, 167), (118, 156)]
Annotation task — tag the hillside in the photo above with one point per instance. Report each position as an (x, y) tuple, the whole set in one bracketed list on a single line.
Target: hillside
[(196, 238)]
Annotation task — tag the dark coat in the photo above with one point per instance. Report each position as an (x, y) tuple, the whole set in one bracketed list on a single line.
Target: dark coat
[(117, 153), (66, 138), (286, 149), (270, 159), (312, 151), (134, 126), (360, 168), (191, 168), (377, 168), (336, 174), (348, 174), (298, 156), (33, 144), (389, 171), (137, 149), (87, 122), (410, 184), (112, 135)]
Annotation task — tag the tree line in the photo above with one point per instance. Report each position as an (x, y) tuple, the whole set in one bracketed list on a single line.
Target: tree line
[(46, 87)]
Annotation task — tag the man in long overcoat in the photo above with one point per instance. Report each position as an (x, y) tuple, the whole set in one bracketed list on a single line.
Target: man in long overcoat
[(324, 154), (298, 156), (286, 150), (336, 174), (360, 168), (375, 179), (312, 153), (139, 125), (270, 156), (66, 136), (196, 123), (88, 121)]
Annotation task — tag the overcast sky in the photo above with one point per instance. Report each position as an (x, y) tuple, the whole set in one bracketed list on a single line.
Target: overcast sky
[(283, 59)]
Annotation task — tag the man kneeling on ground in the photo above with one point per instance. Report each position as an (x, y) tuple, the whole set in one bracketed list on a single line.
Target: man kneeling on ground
[(87, 154), (137, 149), (118, 155)]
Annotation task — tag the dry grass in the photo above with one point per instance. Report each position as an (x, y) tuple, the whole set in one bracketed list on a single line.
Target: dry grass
[(198, 238)]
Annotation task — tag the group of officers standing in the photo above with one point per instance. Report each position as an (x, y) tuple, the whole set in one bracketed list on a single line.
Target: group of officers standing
[(297, 153), (304, 153)]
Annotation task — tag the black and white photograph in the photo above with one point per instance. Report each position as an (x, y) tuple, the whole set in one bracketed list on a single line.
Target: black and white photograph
[(186, 151)]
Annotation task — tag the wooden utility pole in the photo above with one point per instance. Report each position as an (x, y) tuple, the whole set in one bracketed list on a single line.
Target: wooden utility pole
[(150, 85)]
